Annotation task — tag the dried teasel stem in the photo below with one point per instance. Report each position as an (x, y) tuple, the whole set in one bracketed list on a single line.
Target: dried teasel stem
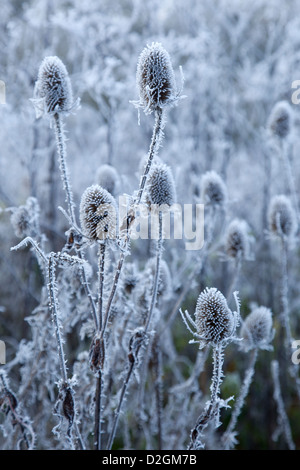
[(61, 149), (100, 345), (155, 143), (283, 422), (54, 310), (228, 437), (140, 336), (212, 409)]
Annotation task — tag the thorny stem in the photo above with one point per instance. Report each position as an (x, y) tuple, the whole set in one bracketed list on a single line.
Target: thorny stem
[(156, 350), (156, 138), (101, 280), (283, 422), (61, 149), (54, 309), (242, 396), (98, 393), (146, 326), (54, 313), (284, 292), (290, 177), (211, 410), (87, 289)]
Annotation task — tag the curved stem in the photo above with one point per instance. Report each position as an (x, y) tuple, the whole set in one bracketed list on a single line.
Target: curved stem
[(242, 396)]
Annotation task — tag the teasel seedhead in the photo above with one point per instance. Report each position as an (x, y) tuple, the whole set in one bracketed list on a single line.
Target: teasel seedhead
[(280, 120), (98, 214), (107, 177), (160, 189), (257, 330), (53, 91), (214, 320), (25, 218), (282, 218), (237, 241), (155, 79), (213, 189)]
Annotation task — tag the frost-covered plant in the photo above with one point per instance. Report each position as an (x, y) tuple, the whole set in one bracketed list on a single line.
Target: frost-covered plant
[(282, 220), (53, 91), (155, 79), (280, 120), (160, 189), (257, 333), (108, 178), (98, 214), (215, 325), (213, 189), (25, 218), (237, 240), (53, 97), (257, 330)]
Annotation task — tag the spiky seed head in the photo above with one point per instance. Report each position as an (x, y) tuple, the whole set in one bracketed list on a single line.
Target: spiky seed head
[(257, 330), (53, 90), (161, 186), (24, 219), (213, 189), (155, 78), (98, 213), (237, 242), (280, 120), (282, 219), (214, 320), (107, 177)]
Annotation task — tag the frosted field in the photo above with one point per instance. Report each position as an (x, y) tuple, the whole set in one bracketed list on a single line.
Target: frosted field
[(149, 225)]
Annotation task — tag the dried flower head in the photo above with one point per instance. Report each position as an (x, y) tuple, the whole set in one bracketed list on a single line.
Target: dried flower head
[(213, 189), (53, 90), (98, 213), (237, 242), (108, 178), (257, 330), (280, 119), (155, 78), (213, 318), (282, 219), (24, 219), (160, 186)]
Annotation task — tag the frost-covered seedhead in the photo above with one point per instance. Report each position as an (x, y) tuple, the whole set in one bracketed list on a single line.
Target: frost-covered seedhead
[(257, 330), (24, 219), (282, 218), (213, 189), (108, 178), (237, 242), (53, 90), (280, 120), (161, 186), (155, 78), (98, 214), (214, 320)]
